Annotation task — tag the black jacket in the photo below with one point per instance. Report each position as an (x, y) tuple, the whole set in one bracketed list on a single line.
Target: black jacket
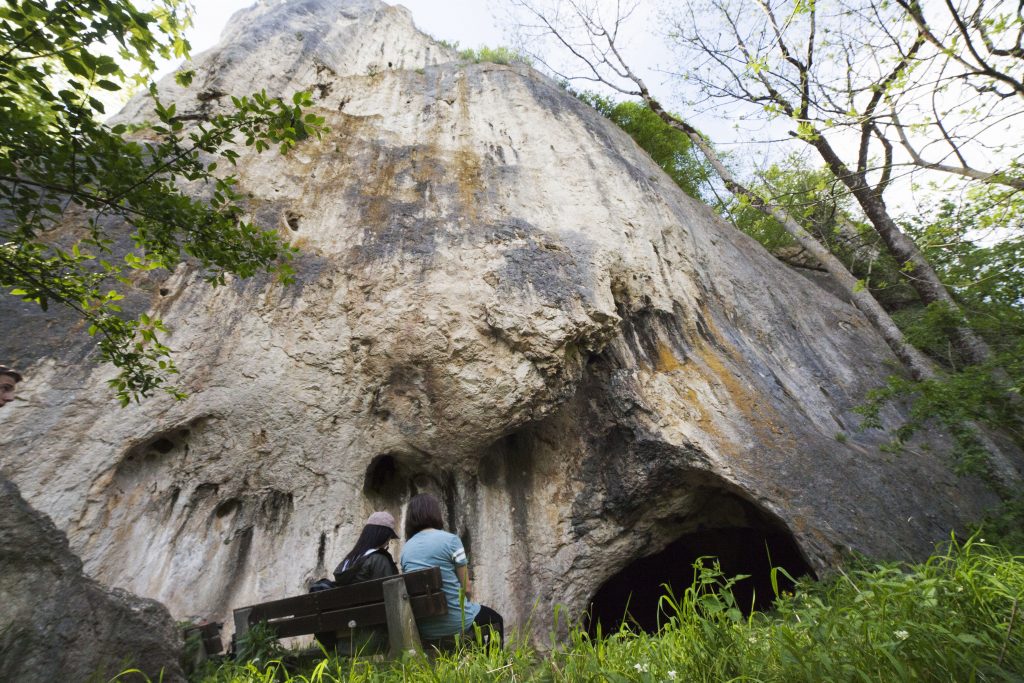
[(376, 565)]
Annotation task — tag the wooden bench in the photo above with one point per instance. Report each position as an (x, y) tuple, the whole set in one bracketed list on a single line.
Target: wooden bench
[(207, 637), (395, 602), (209, 634)]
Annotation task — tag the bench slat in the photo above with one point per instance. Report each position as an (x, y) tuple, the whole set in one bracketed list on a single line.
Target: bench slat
[(430, 605), (423, 581)]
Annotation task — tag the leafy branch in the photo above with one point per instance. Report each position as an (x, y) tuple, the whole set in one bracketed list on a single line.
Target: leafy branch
[(59, 166)]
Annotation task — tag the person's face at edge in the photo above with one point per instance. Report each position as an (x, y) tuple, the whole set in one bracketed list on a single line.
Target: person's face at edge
[(7, 388)]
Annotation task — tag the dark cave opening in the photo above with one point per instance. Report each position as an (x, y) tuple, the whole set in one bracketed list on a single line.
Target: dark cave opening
[(634, 592), (391, 479), (386, 479)]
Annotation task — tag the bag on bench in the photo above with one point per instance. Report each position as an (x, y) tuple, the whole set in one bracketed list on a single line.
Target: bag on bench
[(375, 564)]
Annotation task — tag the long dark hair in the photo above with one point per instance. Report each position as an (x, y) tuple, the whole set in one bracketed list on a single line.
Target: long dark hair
[(424, 512), (372, 536)]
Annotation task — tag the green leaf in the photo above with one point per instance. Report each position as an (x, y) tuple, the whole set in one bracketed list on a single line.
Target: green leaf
[(54, 140), (74, 64)]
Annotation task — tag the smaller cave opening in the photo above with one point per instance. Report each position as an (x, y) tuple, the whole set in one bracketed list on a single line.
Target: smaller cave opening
[(226, 507), (292, 220), (634, 594), (387, 480), (275, 509), (204, 491), (162, 445), (393, 478)]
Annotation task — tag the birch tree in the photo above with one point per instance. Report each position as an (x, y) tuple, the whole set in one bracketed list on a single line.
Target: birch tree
[(581, 30), (848, 74)]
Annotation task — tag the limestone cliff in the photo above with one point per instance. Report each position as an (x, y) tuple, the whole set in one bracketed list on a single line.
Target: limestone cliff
[(500, 298)]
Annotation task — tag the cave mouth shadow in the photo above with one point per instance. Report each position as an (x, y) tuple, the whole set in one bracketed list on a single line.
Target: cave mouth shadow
[(392, 478), (633, 595)]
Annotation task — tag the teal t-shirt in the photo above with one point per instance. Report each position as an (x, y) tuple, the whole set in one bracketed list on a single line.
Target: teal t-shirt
[(436, 548)]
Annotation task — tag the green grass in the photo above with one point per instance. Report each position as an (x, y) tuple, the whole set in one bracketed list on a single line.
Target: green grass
[(948, 619)]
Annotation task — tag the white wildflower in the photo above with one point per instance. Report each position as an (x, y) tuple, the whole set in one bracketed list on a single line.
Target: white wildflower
[(642, 668), (901, 634), (672, 675)]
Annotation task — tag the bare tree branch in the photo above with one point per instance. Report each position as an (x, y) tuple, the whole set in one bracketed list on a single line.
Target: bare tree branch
[(964, 170), (980, 67), (915, 362)]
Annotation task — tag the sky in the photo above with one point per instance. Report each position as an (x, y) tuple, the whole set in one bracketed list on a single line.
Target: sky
[(470, 22), (475, 23)]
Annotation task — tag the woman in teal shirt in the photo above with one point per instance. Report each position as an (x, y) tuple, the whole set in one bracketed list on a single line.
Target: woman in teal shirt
[(428, 545)]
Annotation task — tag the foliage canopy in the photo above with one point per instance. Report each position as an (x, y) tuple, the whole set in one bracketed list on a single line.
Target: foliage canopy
[(668, 147), (59, 165), (494, 55)]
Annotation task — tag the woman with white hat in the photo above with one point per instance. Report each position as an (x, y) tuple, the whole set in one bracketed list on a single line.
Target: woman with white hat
[(369, 558)]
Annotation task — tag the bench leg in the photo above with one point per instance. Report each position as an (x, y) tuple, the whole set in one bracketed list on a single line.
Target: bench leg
[(241, 626), (402, 632)]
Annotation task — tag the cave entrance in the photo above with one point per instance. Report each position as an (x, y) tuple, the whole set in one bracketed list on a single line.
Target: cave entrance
[(752, 549), (386, 481), (391, 479)]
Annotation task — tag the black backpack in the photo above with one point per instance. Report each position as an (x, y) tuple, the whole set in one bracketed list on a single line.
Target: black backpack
[(322, 585)]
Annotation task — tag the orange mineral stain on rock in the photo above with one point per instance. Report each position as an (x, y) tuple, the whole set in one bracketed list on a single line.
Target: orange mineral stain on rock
[(378, 189), (468, 174), (762, 417), (667, 361), (426, 169), (468, 178)]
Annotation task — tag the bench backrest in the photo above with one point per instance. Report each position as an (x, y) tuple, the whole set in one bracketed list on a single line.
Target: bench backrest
[(347, 607)]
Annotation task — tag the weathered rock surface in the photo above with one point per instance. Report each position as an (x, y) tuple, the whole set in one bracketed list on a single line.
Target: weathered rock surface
[(500, 299), (56, 624)]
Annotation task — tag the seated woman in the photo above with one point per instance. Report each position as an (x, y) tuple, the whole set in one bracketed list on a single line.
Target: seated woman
[(368, 559), (428, 545)]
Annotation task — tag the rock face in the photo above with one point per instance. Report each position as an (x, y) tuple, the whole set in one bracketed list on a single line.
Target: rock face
[(500, 299), (58, 624)]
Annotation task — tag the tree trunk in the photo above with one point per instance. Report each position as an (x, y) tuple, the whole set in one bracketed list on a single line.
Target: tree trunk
[(923, 277), (918, 365)]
